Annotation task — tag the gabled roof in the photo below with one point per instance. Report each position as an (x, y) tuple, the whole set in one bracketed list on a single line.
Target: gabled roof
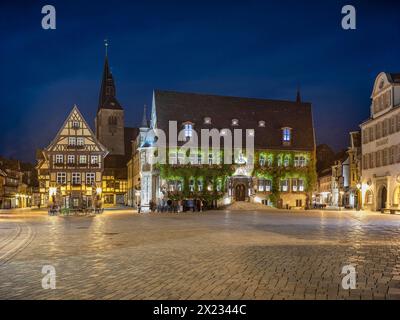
[(107, 98), (75, 111), (277, 114)]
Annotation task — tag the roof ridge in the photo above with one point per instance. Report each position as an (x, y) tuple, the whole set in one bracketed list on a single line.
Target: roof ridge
[(227, 96)]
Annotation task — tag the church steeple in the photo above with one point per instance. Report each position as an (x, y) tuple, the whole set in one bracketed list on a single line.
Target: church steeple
[(110, 117), (298, 96), (107, 98)]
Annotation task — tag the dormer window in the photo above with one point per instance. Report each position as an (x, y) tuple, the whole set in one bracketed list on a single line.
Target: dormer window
[(188, 127), (207, 120), (261, 123), (235, 122), (286, 135)]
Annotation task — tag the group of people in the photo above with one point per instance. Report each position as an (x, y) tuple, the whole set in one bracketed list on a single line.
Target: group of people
[(176, 205)]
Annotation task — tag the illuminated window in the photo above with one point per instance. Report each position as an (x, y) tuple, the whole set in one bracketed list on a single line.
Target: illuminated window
[(286, 161), (286, 134), (72, 141), (210, 158), (294, 185), (82, 159), (61, 178), (80, 141), (188, 130), (94, 159), (90, 178), (261, 185), (59, 158), (71, 159), (301, 185), (76, 178), (299, 161), (262, 160), (284, 185), (268, 184), (200, 185)]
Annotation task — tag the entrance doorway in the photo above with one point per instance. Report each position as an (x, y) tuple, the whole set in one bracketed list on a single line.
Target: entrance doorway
[(383, 198), (240, 192)]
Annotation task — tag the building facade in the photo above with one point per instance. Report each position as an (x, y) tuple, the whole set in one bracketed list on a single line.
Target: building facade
[(381, 145), (16, 184), (70, 168), (323, 196), (281, 172)]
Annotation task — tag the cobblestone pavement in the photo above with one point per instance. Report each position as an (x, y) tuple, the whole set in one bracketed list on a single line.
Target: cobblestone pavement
[(211, 255)]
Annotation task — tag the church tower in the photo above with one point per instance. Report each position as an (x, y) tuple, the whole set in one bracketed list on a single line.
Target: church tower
[(109, 120)]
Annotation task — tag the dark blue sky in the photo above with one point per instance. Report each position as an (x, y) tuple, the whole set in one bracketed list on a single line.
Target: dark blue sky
[(241, 48)]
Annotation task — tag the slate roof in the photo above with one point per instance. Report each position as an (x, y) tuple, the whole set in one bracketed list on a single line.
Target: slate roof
[(182, 107), (394, 77), (107, 99)]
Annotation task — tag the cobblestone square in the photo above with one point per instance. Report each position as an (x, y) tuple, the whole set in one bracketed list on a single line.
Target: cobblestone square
[(211, 255)]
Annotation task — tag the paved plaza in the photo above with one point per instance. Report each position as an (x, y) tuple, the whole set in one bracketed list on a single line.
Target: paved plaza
[(210, 255)]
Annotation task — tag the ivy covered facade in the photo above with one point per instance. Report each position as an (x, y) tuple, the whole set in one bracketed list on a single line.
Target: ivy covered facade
[(280, 171)]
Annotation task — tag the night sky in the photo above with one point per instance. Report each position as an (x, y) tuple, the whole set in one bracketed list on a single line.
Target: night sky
[(240, 48)]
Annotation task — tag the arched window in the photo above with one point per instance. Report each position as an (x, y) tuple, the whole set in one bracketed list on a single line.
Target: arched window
[(112, 121), (368, 197)]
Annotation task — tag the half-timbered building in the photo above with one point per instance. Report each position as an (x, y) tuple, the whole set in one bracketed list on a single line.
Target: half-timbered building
[(70, 168)]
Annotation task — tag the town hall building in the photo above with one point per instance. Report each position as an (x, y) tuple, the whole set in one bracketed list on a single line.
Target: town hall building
[(283, 173)]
